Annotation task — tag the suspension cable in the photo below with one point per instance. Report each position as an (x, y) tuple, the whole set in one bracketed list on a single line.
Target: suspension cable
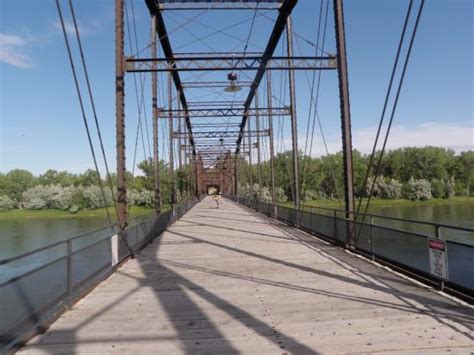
[(395, 104), (92, 102), (387, 98), (84, 118)]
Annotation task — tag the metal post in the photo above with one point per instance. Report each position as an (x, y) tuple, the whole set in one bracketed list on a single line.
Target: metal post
[(180, 162), (196, 177), (187, 165), (438, 236), (120, 115), (69, 271), (294, 119), (270, 134), (372, 238), (345, 118), (259, 156), (155, 114), (236, 175), (250, 153), (171, 153)]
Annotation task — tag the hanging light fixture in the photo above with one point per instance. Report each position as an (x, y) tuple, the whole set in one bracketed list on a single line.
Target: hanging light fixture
[(233, 87)]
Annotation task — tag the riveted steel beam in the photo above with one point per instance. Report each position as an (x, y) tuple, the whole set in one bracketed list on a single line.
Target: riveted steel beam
[(243, 63)]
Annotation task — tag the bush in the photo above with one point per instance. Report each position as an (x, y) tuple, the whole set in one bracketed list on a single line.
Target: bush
[(64, 198), (310, 195), (376, 189), (6, 203), (392, 189), (266, 194), (281, 195), (93, 198), (450, 187), (417, 189), (438, 188), (60, 197), (383, 189), (35, 198), (143, 198)]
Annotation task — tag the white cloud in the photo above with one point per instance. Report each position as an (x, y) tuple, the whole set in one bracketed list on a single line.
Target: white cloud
[(12, 51), (69, 26), (458, 136)]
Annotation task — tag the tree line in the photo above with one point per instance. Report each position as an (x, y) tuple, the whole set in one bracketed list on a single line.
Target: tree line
[(412, 173), (20, 189)]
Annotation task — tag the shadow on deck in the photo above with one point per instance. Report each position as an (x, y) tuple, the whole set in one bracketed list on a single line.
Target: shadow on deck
[(226, 281)]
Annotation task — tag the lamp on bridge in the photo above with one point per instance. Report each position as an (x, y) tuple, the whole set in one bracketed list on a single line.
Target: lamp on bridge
[(233, 87)]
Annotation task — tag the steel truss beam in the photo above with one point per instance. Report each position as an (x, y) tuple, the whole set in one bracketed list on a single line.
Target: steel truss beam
[(214, 142), (243, 63), (168, 5), (284, 12), (168, 52), (223, 134), (226, 112), (215, 153), (215, 125), (215, 103), (212, 84), (202, 147)]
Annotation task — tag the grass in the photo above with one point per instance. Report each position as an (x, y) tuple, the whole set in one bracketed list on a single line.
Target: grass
[(135, 211), (390, 203)]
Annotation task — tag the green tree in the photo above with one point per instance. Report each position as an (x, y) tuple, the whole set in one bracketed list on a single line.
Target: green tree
[(15, 182)]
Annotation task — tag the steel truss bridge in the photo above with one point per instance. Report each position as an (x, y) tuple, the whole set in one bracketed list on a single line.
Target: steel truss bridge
[(206, 132), (247, 275)]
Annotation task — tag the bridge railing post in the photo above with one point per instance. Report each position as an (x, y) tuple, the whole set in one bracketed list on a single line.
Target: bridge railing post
[(371, 235), (335, 225), (438, 236), (69, 272)]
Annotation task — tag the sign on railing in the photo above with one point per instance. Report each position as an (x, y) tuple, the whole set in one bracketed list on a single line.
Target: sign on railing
[(438, 258)]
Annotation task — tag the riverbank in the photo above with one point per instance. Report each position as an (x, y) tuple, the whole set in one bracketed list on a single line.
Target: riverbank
[(458, 200), (135, 211)]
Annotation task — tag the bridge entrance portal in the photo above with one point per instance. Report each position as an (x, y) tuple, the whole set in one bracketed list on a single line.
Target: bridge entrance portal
[(213, 189)]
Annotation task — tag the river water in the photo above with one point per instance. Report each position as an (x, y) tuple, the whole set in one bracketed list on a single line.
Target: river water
[(18, 236)]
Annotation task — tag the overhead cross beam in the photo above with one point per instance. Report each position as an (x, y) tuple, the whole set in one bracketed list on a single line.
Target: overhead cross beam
[(222, 134), (203, 147), (219, 4), (226, 112), (168, 52), (220, 63), (284, 11), (212, 84)]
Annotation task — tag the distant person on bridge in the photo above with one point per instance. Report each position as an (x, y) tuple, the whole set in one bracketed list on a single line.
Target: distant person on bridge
[(216, 198)]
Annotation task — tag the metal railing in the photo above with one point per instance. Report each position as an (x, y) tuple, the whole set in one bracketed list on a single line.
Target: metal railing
[(38, 285), (397, 242)]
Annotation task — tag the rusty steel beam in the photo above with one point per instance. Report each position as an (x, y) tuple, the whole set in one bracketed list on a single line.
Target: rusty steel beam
[(215, 63), (169, 56), (284, 12), (223, 134), (122, 210), (345, 117), (227, 112)]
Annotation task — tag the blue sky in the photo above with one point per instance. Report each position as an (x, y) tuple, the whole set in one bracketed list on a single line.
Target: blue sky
[(41, 126)]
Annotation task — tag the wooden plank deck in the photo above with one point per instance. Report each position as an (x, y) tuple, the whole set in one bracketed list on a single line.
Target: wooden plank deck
[(223, 281)]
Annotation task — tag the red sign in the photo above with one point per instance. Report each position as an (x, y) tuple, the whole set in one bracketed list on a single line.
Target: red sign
[(437, 244)]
